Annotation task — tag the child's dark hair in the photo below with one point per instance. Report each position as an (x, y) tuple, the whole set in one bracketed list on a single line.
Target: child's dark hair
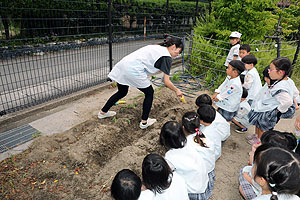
[(169, 41), (206, 113), (245, 93), (203, 99), (249, 59), (280, 168), (172, 135), (275, 138), (266, 74), (191, 123), (157, 175), (245, 47), (242, 77), (238, 65), (283, 64), (126, 185)]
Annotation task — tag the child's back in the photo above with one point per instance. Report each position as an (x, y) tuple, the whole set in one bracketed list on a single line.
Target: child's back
[(160, 182), (223, 127), (252, 80), (196, 140), (212, 129), (176, 191), (190, 166), (186, 161)]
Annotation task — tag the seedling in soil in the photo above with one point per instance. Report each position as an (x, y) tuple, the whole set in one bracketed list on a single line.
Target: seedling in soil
[(12, 159), (115, 120), (128, 121), (122, 109)]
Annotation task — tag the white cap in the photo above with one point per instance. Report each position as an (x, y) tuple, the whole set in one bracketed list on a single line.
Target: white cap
[(235, 34)]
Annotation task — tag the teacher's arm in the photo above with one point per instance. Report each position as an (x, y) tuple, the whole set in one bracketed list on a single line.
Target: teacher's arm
[(171, 86)]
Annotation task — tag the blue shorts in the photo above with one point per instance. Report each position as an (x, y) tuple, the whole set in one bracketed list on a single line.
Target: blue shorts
[(226, 114)]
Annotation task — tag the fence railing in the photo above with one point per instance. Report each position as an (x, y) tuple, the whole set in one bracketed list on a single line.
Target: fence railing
[(49, 49), (205, 55)]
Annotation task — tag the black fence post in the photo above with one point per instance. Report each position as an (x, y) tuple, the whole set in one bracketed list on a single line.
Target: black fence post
[(297, 50), (196, 13), (278, 46), (167, 16), (110, 34)]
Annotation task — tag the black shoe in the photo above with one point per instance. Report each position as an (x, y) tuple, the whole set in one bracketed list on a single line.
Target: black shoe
[(241, 130)]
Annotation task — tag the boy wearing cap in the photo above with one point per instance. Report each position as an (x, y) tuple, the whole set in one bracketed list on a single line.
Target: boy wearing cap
[(228, 96), (234, 51)]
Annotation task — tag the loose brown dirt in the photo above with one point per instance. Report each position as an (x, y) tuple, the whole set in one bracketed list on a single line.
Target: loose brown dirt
[(81, 163)]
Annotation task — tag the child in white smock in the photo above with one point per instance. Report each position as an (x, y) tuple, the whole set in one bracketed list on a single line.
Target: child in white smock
[(275, 101), (228, 96), (196, 140), (234, 51), (160, 182), (222, 127), (241, 119), (277, 172), (186, 161), (252, 80), (126, 185)]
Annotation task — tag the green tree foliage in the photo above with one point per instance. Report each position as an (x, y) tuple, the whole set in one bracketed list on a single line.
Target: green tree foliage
[(250, 17), (254, 19), (290, 19)]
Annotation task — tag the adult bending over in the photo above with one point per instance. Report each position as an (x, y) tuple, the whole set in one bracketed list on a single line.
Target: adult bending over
[(133, 70)]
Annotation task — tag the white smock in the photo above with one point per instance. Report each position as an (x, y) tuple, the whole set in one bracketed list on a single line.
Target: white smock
[(134, 68), (190, 166), (176, 191)]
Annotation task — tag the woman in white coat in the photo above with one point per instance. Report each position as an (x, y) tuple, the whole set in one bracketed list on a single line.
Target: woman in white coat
[(133, 70)]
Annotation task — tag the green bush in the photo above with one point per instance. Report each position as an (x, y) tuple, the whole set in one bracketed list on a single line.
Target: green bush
[(254, 19)]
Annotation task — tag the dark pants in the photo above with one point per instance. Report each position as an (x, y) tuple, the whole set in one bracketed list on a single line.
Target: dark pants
[(122, 92)]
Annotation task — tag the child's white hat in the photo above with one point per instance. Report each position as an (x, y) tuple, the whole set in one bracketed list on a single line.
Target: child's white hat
[(235, 34)]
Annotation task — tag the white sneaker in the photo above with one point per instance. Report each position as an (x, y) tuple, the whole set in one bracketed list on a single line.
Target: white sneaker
[(108, 114), (149, 123)]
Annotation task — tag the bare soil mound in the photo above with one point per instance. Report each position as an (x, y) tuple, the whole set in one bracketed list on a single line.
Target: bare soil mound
[(81, 163)]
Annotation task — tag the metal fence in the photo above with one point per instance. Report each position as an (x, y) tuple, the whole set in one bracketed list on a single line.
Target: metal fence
[(206, 56), (49, 49)]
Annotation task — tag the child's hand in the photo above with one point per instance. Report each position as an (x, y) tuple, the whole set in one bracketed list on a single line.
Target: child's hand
[(247, 177), (297, 123), (251, 157), (297, 107), (214, 96)]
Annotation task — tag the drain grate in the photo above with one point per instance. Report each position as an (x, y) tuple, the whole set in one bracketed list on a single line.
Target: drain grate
[(17, 136)]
